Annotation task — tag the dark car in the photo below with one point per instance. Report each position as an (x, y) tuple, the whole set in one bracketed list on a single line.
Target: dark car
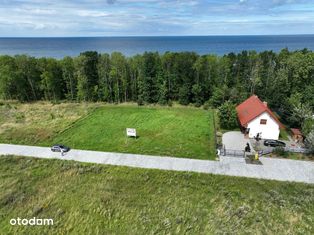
[(274, 143), (60, 148)]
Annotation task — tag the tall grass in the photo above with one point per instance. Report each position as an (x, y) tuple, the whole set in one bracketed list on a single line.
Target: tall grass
[(98, 199), (35, 123)]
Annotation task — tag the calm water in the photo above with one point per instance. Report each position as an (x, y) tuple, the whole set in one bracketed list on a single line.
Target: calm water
[(60, 47)]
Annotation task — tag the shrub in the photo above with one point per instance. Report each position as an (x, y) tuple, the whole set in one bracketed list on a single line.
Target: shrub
[(218, 134), (280, 151), (228, 115), (197, 105), (140, 102), (206, 105), (309, 141)]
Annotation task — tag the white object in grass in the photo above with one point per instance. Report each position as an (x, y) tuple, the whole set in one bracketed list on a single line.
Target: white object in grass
[(131, 132)]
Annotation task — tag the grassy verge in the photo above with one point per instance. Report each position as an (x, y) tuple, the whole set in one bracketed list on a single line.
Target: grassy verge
[(180, 132), (98, 199)]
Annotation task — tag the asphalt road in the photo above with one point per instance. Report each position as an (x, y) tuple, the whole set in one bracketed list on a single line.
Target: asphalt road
[(274, 169)]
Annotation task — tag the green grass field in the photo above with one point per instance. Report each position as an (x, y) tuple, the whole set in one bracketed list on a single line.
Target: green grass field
[(98, 199), (180, 132), (176, 131)]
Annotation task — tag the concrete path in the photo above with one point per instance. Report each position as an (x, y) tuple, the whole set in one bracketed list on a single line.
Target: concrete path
[(276, 169)]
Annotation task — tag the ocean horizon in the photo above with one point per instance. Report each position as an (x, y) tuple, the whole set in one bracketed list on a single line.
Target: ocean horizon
[(59, 47)]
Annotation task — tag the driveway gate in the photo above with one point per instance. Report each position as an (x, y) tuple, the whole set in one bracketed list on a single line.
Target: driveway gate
[(232, 152)]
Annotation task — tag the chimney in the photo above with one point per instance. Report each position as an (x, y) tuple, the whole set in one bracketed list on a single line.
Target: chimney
[(265, 103)]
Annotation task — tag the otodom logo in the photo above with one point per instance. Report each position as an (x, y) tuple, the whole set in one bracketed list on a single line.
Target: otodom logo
[(31, 222)]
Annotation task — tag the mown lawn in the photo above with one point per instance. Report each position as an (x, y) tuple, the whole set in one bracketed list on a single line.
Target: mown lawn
[(99, 199), (175, 131)]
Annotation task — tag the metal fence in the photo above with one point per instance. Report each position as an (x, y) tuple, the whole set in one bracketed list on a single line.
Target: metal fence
[(265, 151), (231, 152), (286, 149), (239, 153), (296, 150)]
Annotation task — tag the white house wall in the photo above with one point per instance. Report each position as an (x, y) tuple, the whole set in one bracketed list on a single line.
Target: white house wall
[(270, 130)]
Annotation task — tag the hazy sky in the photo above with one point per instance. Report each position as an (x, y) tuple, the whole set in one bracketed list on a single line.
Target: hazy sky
[(155, 17)]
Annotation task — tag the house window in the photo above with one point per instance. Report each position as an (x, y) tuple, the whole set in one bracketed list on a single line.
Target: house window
[(263, 121)]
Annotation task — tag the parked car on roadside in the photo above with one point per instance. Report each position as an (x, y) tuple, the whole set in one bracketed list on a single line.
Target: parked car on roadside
[(60, 148), (274, 143)]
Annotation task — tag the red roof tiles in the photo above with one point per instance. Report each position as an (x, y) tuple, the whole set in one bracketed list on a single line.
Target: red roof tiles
[(252, 108)]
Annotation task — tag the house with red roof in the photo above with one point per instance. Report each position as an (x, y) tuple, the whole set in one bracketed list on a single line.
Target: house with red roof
[(255, 118)]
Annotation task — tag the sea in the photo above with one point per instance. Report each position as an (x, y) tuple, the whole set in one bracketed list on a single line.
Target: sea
[(129, 46)]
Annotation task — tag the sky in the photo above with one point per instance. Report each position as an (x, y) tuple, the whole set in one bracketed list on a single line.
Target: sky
[(61, 18)]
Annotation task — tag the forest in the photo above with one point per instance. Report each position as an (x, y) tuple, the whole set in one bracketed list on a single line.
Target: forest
[(285, 80)]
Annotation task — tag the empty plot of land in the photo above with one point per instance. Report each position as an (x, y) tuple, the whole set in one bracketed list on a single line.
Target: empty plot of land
[(36, 123), (165, 131), (179, 132)]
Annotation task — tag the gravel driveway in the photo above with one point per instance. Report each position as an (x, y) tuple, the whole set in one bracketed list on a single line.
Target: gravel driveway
[(276, 169)]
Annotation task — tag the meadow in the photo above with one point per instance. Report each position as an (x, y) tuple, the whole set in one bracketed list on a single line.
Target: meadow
[(166, 131), (35, 123), (99, 199)]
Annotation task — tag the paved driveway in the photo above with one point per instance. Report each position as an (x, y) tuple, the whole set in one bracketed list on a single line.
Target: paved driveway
[(234, 140), (276, 169)]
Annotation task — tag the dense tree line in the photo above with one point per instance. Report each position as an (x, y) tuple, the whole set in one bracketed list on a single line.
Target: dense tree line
[(285, 80)]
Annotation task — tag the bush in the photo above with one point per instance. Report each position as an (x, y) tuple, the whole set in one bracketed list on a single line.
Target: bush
[(228, 115), (280, 151), (140, 102), (309, 141), (206, 105), (218, 134), (197, 105)]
